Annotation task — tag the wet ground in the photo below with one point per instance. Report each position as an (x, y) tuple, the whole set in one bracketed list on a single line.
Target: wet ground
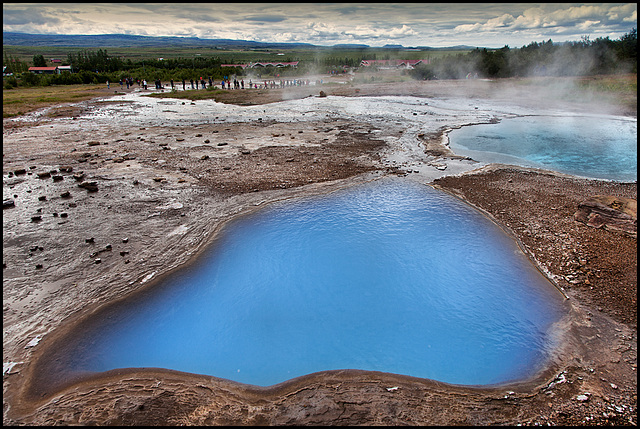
[(108, 195)]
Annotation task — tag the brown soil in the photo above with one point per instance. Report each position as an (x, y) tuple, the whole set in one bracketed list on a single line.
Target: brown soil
[(51, 278)]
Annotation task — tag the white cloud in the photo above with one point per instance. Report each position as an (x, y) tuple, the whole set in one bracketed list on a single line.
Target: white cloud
[(579, 17), (587, 24), (633, 18), (500, 22)]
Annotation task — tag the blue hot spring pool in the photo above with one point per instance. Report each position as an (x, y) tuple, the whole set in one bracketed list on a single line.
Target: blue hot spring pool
[(596, 147), (387, 276)]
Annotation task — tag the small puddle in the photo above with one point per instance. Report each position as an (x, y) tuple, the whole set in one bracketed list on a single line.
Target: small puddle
[(389, 276)]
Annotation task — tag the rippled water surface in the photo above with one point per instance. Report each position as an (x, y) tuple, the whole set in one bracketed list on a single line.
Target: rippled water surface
[(596, 147), (387, 276)]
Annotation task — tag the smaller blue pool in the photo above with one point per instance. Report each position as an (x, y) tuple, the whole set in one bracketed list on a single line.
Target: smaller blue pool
[(596, 147), (388, 276)]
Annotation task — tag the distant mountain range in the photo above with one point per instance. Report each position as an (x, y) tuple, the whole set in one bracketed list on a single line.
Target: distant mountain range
[(127, 40)]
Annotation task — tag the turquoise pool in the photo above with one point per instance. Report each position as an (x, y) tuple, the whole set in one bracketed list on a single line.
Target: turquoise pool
[(594, 147), (389, 276)]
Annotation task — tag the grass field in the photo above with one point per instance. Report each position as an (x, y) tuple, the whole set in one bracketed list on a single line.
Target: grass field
[(18, 101)]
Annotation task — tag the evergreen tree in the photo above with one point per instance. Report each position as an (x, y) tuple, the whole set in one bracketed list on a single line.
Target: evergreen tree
[(39, 61)]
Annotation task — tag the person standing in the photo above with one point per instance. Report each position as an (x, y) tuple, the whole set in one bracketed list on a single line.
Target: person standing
[(183, 83), (107, 84)]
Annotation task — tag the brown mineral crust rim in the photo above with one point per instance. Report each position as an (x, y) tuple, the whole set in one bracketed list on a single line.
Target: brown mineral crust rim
[(93, 381), (357, 384)]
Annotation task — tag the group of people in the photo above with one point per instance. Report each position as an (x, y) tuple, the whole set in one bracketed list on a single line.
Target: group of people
[(128, 81), (236, 84), (224, 83)]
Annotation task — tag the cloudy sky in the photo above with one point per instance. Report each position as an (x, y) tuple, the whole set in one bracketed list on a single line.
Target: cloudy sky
[(373, 24)]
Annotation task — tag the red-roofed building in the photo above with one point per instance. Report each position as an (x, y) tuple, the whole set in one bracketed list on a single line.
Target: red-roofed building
[(43, 70), (273, 64), (408, 64), (278, 64)]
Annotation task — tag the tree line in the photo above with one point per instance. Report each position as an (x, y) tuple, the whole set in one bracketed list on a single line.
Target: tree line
[(581, 58), (99, 67)]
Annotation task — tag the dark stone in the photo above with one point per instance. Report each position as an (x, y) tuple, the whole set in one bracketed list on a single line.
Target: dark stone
[(36, 218), (44, 175), (93, 143), (89, 186), (20, 171), (57, 178), (8, 204)]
